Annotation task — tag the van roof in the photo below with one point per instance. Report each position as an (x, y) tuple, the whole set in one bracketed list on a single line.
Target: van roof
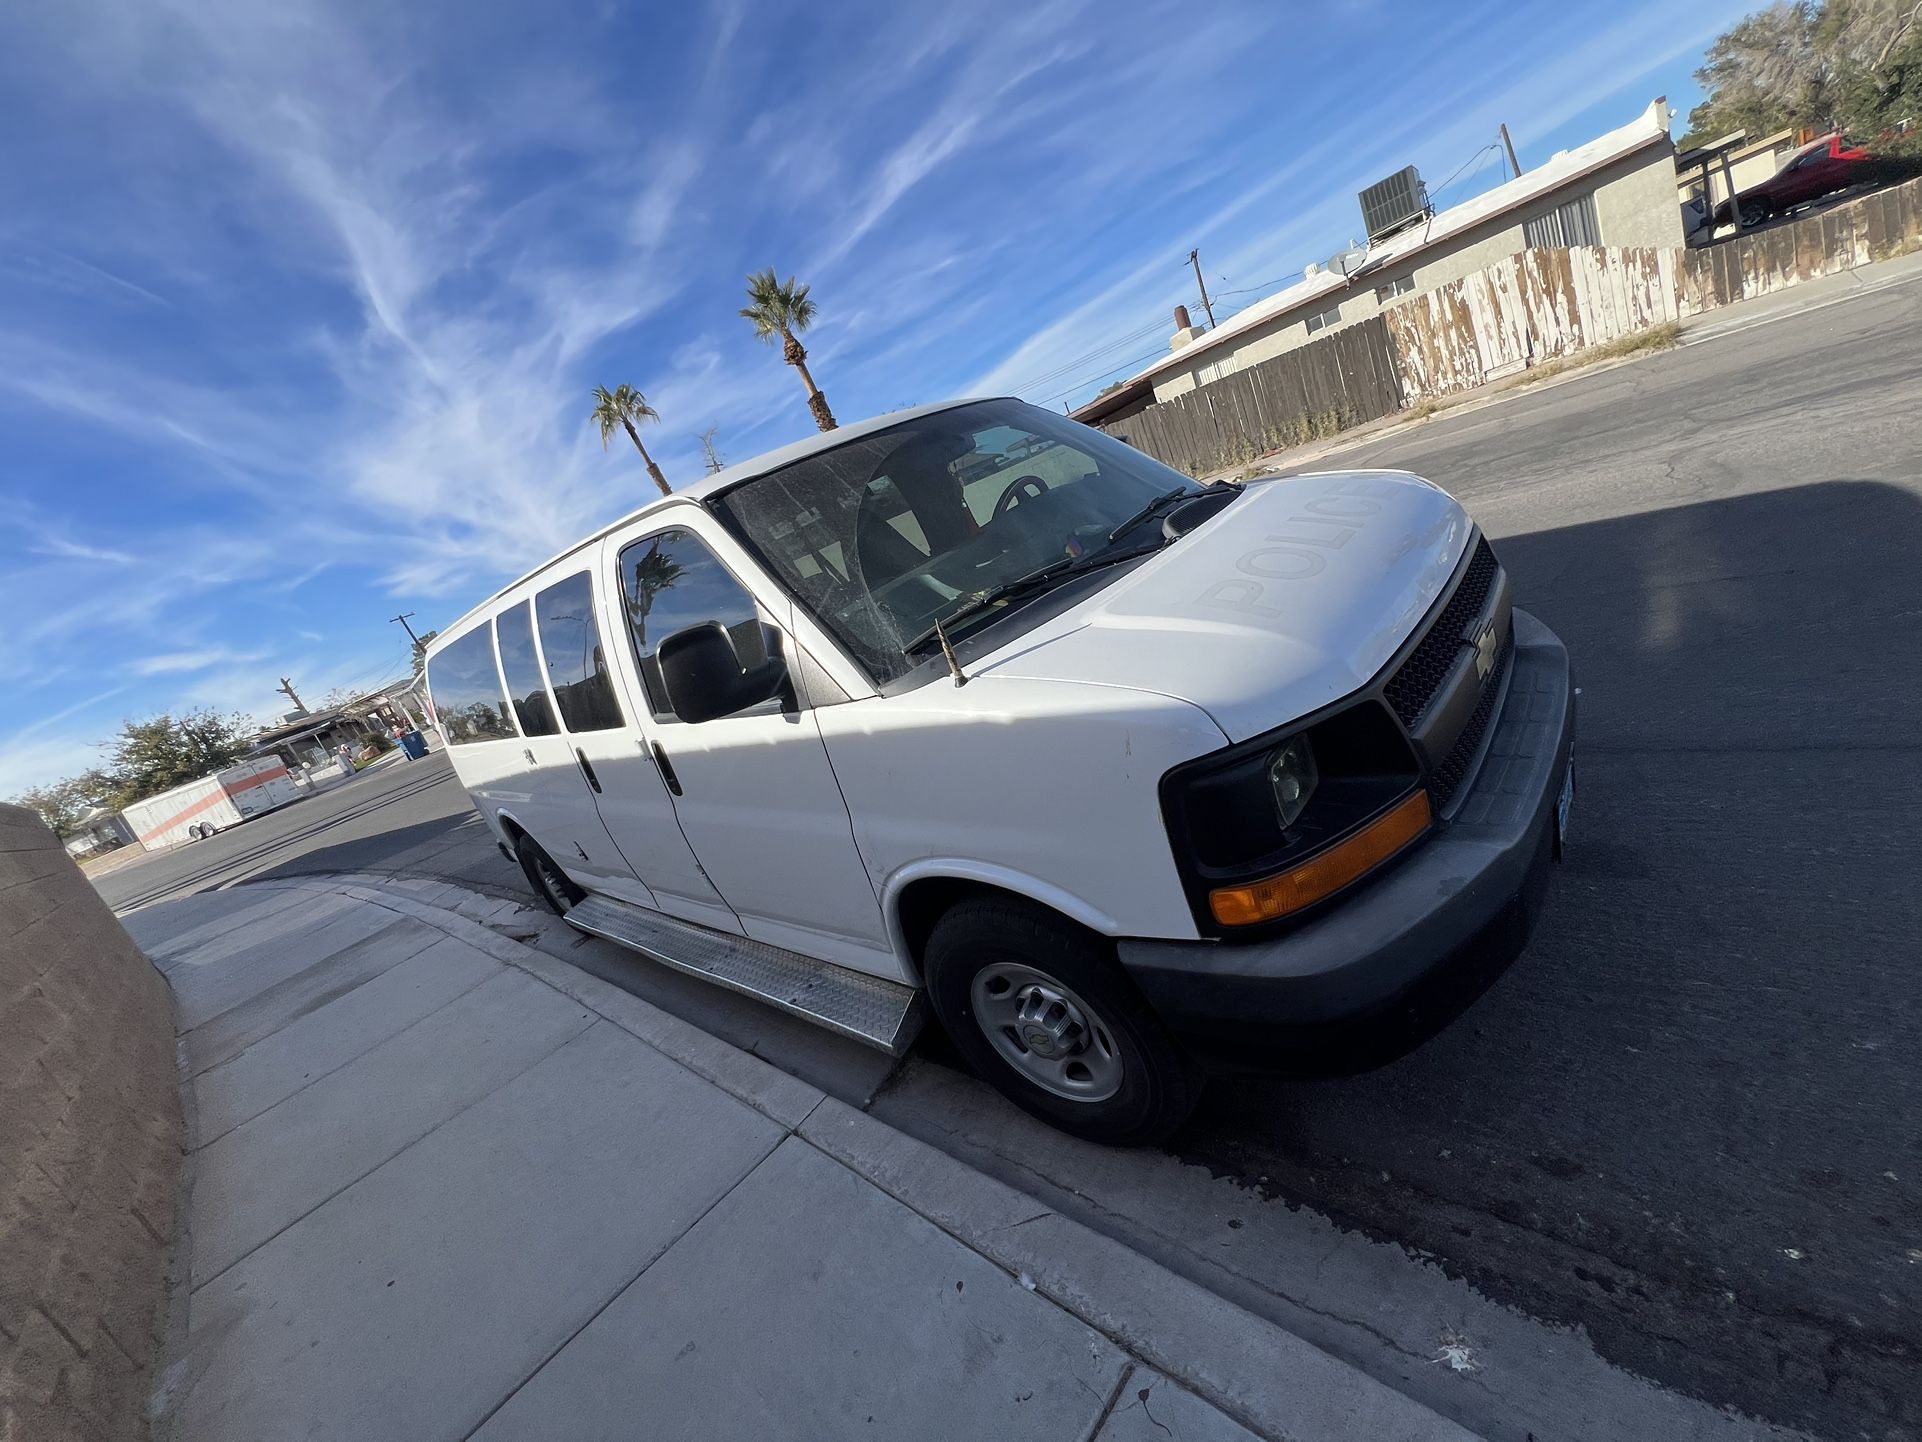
[(704, 490)]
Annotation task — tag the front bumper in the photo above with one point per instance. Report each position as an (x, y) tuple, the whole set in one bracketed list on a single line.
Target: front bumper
[(1411, 949)]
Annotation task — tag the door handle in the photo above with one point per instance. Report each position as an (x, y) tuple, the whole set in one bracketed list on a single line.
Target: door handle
[(587, 770), (667, 770)]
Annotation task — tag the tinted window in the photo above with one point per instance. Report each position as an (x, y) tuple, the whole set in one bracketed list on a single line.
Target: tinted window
[(673, 581), (576, 664), (467, 690), (521, 668)]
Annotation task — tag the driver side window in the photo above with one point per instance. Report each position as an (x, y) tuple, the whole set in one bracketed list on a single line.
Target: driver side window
[(671, 581)]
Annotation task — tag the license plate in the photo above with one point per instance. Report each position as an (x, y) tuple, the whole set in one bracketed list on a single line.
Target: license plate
[(1562, 804)]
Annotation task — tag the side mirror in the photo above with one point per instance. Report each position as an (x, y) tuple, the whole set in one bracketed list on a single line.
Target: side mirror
[(703, 675)]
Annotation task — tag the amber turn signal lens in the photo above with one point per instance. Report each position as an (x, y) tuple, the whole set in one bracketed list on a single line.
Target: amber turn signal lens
[(1327, 873)]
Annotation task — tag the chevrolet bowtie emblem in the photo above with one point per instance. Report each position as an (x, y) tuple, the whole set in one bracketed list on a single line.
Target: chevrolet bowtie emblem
[(1485, 649)]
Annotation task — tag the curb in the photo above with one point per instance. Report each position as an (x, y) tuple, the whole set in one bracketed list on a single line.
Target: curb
[(1265, 1378)]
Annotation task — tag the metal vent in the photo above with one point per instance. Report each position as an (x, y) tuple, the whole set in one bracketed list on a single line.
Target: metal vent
[(1394, 204)]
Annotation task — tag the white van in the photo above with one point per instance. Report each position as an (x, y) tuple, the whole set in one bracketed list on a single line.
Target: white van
[(973, 708)]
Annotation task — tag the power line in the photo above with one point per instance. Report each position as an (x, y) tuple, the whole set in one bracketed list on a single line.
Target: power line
[(1103, 375), (1103, 349)]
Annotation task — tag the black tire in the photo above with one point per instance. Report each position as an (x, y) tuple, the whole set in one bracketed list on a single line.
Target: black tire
[(550, 883), (1159, 1083), (1751, 213)]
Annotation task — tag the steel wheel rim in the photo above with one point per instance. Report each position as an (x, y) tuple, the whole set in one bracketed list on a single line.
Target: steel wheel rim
[(1041, 1028)]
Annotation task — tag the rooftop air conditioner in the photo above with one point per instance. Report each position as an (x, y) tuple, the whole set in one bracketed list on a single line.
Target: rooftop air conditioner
[(1394, 204)]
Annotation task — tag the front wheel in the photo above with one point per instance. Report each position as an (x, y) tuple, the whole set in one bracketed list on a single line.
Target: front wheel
[(1041, 1008), (550, 883), (1751, 213)]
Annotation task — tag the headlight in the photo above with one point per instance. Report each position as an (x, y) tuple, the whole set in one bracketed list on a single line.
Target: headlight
[(1246, 815), (1292, 778)]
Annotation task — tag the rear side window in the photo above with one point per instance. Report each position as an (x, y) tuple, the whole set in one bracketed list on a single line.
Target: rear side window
[(521, 669), (673, 581), (576, 662), (466, 689)]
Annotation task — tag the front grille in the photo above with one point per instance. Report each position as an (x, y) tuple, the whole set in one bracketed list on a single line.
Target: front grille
[(1454, 766), (1413, 686)]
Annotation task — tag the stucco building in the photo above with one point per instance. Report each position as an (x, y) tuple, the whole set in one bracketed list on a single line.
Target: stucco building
[(1618, 190)]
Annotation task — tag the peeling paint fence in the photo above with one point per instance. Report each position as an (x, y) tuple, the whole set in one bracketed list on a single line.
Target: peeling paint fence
[(1533, 306), (1316, 390), (1872, 228), (1541, 304)]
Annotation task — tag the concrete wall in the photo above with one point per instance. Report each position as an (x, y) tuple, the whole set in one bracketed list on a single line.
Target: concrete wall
[(1635, 205), (90, 1148)]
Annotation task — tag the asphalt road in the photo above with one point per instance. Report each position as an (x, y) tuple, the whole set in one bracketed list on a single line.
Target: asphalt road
[(1689, 1119)]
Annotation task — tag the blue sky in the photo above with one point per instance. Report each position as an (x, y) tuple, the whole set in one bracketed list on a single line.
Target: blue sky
[(300, 302)]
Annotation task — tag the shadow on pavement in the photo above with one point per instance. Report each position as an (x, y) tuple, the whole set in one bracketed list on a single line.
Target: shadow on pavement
[(1685, 1118)]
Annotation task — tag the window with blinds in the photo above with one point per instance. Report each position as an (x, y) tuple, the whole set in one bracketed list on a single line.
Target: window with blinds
[(1570, 224)]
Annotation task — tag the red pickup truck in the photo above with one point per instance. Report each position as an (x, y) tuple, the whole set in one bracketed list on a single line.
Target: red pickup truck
[(1819, 168)]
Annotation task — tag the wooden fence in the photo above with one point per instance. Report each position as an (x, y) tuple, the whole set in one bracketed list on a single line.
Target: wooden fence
[(1842, 238), (1530, 307), (1312, 391)]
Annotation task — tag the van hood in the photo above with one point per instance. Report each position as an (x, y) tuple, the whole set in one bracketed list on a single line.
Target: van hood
[(1294, 595)]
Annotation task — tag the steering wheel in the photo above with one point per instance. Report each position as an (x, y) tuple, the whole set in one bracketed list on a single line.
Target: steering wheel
[(1021, 488)]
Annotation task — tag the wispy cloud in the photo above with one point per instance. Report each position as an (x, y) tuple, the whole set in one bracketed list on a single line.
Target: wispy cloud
[(174, 662), (310, 341), (62, 549)]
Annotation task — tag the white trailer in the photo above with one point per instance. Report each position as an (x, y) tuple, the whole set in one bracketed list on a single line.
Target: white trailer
[(213, 803)]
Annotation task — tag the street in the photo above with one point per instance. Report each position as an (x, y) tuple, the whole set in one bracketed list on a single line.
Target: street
[(1685, 1121)]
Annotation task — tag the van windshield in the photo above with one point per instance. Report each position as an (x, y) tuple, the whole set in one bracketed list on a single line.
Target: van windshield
[(884, 536)]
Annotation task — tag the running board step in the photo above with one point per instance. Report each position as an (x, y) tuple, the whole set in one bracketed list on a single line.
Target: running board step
[(883, 1014)]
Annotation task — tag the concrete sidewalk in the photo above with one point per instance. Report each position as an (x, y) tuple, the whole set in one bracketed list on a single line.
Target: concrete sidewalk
[(446, 1185)]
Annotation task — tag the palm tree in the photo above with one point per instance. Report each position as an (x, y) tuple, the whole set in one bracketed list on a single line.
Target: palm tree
[(627, 408), (783, 309)]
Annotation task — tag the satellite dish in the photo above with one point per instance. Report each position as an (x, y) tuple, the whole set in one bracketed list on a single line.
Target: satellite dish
[(1347, 262)]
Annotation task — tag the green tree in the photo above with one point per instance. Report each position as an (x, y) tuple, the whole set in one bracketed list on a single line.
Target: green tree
[(165, 751), (60, 804), (1853, 65), (782, 310), (1765, 73), (625, 408)]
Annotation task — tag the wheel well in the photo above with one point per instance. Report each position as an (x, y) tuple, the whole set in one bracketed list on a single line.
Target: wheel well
[(923, 903), (510, 828)]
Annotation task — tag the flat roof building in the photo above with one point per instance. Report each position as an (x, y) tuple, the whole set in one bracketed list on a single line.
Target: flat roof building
[(1618, 190)]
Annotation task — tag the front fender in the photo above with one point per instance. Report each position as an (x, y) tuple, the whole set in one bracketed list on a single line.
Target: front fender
[(1003, 878)]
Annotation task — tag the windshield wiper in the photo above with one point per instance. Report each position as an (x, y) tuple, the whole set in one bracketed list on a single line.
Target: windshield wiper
[(1034, 581), (1148, 511)]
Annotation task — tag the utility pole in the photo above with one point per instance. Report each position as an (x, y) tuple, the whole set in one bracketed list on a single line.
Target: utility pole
[(1509, 145), (1194, 259), (287, 686), (409, 629)]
